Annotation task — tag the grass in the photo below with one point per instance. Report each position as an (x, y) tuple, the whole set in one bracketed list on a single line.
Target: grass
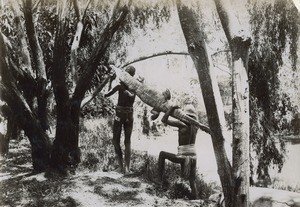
[(96, 147), (98, 153)]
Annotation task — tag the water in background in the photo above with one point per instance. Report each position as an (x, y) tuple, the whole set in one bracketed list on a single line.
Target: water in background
[(206, 161), (290, 173)]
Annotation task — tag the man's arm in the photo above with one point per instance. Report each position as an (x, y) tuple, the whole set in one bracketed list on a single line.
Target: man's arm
[(114, 90), (174, 123)]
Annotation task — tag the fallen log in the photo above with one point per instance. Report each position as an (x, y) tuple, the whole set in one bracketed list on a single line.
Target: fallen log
[(154, 98)]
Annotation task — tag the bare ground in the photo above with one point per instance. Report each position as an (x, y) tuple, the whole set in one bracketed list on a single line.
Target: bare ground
[(84, 187)]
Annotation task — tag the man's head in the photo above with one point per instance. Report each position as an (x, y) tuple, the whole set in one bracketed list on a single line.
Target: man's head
[(131, 70), (190, 110)]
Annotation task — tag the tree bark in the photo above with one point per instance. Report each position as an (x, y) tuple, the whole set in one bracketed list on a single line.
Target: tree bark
[(40, 144), (211, 95), (4, 144), (12, 131), (76, 40), (113, 25), (26, 83), (239, 42), (83, 84), (65, 151), (4, 139), (39, 65), (61, 145), (25, 61)]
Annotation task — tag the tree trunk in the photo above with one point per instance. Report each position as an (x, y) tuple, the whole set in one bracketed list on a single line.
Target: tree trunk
[(26, 83), (61, 145), (241, 133), (113, 25), (76, 40), (39, 65), (40, 144), (12, 128), (211, 95), (4, 139), (239, 42), (4, 144), (65, 151), (25, 61), (74, 48)]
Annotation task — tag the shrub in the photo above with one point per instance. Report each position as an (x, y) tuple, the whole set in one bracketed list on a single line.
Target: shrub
[(98, 153), (96, 146)]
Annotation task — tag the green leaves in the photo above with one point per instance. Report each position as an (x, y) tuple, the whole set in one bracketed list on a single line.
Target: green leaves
[(275, 33)]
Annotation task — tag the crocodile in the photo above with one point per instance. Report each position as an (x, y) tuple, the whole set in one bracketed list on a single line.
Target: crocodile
[(157, 100)]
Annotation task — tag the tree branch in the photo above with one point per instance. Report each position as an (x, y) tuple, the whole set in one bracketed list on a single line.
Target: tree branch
[(95, 93), (37, 53), (59, 63), (21, 75), (76, 8), (153, 55), (25, 54), (76, 40), (34, 8), (111, 28), (38, 63), (11, 95), (86, 7), (218, 52), (218, 67)]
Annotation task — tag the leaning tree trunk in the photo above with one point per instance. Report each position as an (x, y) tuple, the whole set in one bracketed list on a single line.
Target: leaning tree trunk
[(38, 62), (211, 95), (40, 144), (239, 42), (65, 151), (26, 78), (25, 81), (76, 40)]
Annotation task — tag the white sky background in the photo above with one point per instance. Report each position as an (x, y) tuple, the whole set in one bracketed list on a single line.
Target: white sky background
[(297, 4)]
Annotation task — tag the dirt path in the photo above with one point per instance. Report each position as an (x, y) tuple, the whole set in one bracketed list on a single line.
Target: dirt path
[(114, 189), (85, 188)]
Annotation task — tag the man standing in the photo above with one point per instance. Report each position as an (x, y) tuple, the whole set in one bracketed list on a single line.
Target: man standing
[(186, 151), (123, 118)]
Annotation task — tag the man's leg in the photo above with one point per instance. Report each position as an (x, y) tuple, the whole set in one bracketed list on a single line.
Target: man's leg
[(128, 130), (161, 165), (192, 179), (161, 161), (116, 142)]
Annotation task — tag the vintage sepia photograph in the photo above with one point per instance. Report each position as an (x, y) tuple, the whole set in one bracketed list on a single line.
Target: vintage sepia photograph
[(133, 103)]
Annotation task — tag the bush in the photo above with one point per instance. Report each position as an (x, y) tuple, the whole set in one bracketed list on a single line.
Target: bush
[(97, 151), (174, 187)]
